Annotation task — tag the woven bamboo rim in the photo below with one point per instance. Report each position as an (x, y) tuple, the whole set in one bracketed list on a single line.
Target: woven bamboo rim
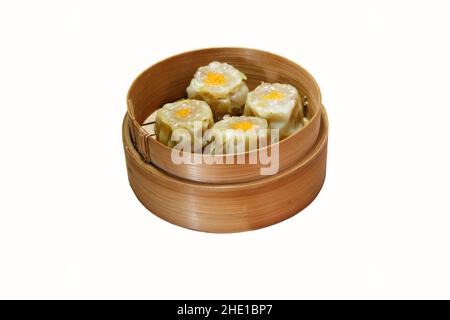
[(167, 80), (232, 207)]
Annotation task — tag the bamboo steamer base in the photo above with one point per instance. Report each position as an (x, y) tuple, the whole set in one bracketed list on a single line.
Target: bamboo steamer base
[(225, 208)]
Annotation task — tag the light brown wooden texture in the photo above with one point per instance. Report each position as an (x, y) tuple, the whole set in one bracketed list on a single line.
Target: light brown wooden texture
[(167, 80), (230, 207)]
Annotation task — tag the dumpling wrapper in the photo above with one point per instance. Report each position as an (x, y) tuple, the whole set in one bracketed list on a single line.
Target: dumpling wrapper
[(183, 114), (233, 130), (222, 86), (280, 104)]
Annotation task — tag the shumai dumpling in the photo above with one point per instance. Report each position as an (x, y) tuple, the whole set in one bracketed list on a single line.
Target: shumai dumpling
[(280, 104), (183, 114), (233, 130), (222, 86)]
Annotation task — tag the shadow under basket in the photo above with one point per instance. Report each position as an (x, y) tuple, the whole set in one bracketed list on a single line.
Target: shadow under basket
[(223, 198)]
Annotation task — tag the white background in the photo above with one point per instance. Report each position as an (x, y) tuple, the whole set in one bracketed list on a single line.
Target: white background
[(71, 227)]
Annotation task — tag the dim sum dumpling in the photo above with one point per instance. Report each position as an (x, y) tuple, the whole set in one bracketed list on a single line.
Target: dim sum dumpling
[(222, 86), (235, 129), (279, 104), (182, 114)]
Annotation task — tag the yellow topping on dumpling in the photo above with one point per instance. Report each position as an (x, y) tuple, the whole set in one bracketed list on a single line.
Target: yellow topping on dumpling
[(215, 79), (183, 113), (244, 126), (273, 95)]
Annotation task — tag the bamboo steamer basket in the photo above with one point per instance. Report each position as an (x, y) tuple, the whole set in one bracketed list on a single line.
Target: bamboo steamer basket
[(223, 198), (167, 80), (224, 208)]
